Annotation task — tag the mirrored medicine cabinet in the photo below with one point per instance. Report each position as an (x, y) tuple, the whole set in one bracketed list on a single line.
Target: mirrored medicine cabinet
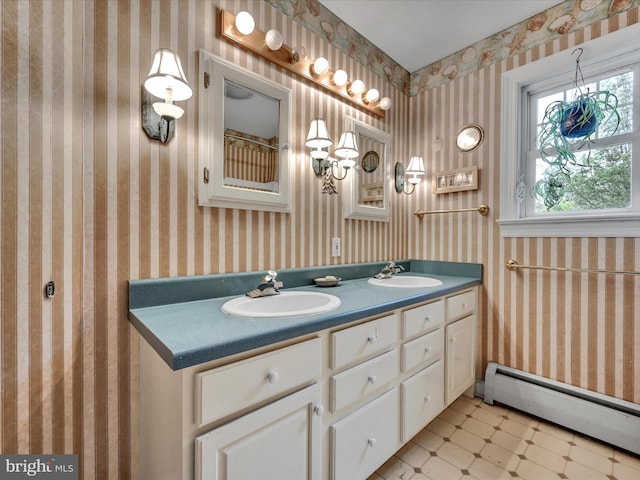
[(243, 138), (367, 192)]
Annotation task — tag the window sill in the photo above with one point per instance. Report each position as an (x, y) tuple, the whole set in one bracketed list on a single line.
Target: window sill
[(622, 225)]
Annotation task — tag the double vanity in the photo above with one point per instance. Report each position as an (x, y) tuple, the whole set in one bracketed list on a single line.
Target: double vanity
[(270, 393)]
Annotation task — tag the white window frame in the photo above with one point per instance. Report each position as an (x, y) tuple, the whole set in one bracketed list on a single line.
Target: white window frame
[(572, 224)]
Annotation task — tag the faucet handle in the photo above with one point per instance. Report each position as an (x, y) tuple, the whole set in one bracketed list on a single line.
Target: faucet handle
[(270, 276)]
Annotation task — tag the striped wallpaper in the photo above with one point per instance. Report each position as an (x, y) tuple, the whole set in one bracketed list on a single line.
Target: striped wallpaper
[(89, 202), (583, 329)]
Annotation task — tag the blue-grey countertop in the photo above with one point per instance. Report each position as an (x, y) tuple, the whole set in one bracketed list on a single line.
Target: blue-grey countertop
[(181, 317)]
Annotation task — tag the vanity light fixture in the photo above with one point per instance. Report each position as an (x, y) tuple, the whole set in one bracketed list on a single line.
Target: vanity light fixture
[(166, 80), (240, 30), (415, 169)]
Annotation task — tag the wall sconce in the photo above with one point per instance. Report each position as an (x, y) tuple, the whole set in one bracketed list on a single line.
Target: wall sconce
[(166, 80), (415, 169), (268, 45), (319, 141)]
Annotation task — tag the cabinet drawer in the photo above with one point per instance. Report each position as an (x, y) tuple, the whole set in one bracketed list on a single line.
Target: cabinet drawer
[(422, 399), (422, 319), (461, 305), (231, 388), (422, 350), (364, 340), (359, 381), (364, 440)]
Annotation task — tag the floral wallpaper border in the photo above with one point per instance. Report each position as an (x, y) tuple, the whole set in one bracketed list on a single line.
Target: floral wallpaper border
[(559, 20)]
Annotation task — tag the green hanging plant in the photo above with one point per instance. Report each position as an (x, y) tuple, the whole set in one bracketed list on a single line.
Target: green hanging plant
[(565, 125)]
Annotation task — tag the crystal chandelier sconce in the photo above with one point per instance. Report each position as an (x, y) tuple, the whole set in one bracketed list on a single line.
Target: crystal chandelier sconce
[(240, 30)]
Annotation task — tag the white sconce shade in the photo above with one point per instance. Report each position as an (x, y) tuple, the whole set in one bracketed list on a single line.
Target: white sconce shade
[(318, 136), (372, 95), (416, 170), (340, 78), (166, 78), (347, 146), (245, 23), (273, 38), (356, 88), (347, 163), (385, 103), (320, 66), (416, 166)]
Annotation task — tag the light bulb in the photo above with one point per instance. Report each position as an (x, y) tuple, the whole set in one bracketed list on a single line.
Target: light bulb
[(298, 53), (385, 103), (245, 23), (372, 95), (356, 88), (340, 78), (273, 38), (321, 66)]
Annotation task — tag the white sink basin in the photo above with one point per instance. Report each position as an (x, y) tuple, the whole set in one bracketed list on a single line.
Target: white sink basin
[(405, 281), (286, 304)]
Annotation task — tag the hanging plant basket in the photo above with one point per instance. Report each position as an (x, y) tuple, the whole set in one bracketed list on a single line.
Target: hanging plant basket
[(565, 125), (579, 119)]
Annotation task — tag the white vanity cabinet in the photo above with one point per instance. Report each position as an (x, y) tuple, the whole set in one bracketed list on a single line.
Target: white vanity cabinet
[(333, 405)]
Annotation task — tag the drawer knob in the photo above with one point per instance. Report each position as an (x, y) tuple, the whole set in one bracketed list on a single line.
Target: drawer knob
[(464, 304), (427, 318), (427, 349), (371, 338), (273, 377), (371, 442), (452, 340), (371, 379), (427, 398), (318, 410)]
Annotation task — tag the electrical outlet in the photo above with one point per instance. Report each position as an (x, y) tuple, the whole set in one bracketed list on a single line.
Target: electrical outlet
[(335, 247)]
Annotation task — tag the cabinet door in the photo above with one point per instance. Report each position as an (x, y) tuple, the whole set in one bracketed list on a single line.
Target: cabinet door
[(280, 441), (422, 399), (460, 356)]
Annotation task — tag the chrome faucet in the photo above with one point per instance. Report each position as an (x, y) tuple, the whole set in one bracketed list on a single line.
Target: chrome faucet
[(391, 268), (269, 286)]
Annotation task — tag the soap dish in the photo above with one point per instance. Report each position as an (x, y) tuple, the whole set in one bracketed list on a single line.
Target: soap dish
[(328, 281)]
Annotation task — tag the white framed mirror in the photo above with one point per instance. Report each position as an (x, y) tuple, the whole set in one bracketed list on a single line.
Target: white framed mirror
[(243, 138), (367, 193)]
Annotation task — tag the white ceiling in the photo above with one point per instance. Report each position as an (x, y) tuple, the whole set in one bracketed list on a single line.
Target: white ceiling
[(416, 33)]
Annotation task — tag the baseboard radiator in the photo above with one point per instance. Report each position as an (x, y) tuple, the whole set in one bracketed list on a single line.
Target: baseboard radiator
[(605, 418)]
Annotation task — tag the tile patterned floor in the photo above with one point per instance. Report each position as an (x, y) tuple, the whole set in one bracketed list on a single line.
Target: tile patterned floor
[(472, 440)]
